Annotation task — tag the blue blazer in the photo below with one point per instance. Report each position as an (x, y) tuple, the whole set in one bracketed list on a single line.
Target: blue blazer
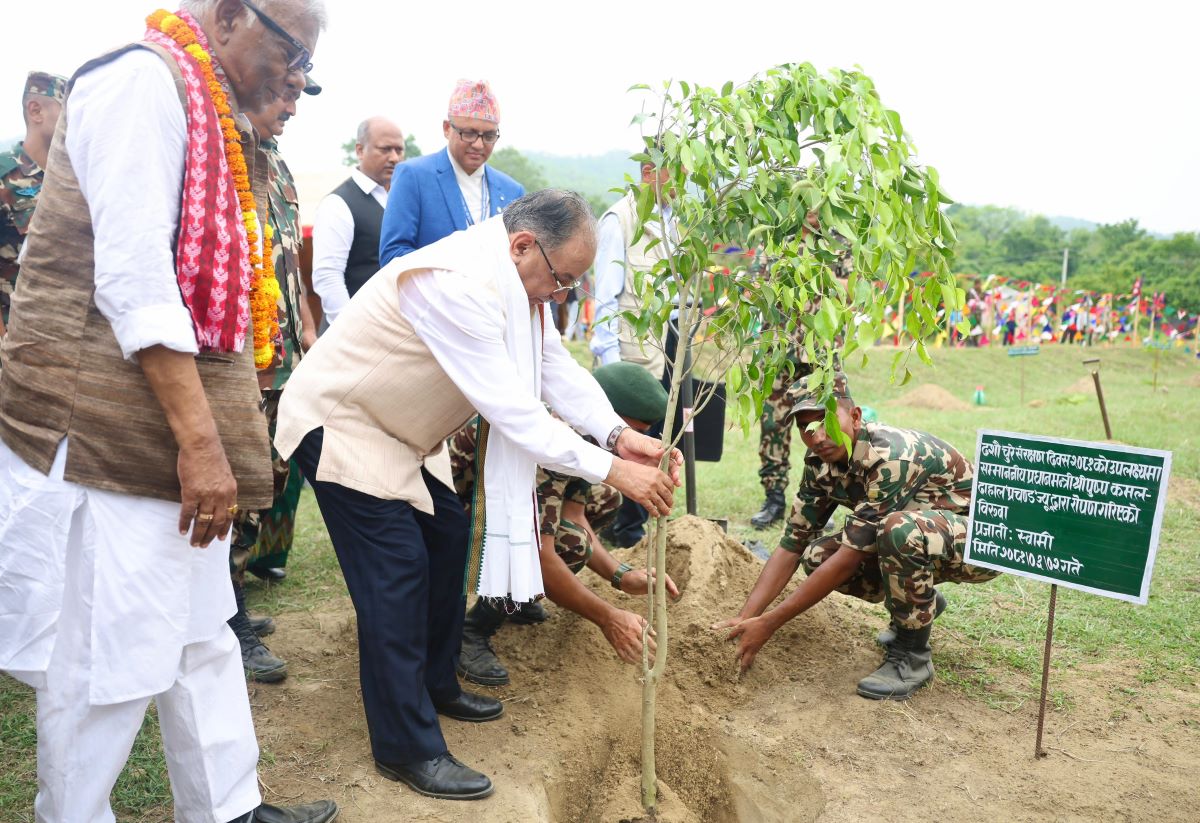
[(425, 204)]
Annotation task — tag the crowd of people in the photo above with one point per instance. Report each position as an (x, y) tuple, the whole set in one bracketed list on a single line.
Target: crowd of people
[(168, 384)]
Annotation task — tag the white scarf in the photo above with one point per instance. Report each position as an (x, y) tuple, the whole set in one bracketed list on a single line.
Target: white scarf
[(511, 566)]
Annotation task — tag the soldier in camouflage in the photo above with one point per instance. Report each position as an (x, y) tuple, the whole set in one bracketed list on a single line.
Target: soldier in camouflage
[(21, 175), (908, 495), (775, 437), (261, 540), (571, 510)]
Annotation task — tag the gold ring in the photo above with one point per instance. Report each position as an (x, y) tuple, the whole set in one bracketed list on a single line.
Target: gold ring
[(204, 517), (233, 509)]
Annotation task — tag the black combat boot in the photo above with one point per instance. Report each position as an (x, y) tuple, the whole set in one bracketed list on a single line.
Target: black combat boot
[(907, 667), (257, 659), (525, 614), (477, 660), (772, 510), (885, 637)]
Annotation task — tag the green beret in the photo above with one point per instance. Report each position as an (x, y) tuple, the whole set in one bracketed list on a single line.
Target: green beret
[(633, 392)]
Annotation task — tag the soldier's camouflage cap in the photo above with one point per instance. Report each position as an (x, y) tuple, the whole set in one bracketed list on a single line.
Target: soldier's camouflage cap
[(46, 85), (801, 399)]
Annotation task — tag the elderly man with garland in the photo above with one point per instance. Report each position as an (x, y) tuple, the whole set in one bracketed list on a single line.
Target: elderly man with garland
[(129, 417), (21, 175), (909, 496), (262, 539), (570, 509)]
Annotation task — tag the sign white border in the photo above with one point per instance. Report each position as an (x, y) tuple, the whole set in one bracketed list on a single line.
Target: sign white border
[(1155, 531)]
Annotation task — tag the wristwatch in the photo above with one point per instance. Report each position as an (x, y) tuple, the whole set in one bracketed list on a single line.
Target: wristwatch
[(619, 573), (614, 436)]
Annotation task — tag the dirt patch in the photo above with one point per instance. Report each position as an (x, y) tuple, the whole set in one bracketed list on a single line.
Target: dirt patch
[(930, 396), (1195, 381), (1084, 385), (1184, 491), (790, 741)]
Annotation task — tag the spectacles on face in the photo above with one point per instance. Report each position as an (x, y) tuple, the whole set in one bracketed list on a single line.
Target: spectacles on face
[(302, 56), (471, 135), (563, 284)]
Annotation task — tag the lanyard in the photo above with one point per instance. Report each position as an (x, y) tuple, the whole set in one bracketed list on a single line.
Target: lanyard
[(484, 202)]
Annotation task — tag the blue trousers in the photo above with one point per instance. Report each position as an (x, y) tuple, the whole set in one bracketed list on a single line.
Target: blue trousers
[(404, 570)]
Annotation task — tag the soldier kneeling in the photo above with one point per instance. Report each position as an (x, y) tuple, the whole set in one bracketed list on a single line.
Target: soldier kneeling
[(909, 496), (570, 510)]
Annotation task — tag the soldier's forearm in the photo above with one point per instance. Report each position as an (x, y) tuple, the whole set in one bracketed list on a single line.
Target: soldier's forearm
[(774, 576), (813, 589), (566, 590)]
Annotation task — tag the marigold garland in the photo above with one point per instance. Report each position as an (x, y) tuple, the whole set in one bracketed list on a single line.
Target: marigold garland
[(264, 288)]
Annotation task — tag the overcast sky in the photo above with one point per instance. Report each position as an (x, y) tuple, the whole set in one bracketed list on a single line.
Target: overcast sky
[(1083, 109)]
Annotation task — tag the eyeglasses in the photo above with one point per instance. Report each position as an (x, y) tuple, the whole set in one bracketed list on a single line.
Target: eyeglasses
[(301, 62), (563, 285), (470, 135)]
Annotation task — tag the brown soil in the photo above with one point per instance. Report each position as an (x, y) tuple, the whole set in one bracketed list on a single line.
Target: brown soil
[(929, 396), (788, 742), (1084, 385)]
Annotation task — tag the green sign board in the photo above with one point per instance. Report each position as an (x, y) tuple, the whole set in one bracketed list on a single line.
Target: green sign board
[(1083, 515)]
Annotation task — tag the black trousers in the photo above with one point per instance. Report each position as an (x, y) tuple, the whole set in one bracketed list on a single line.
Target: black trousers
[(404, 570)]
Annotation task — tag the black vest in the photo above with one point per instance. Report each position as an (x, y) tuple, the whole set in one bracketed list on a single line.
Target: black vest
[(363, 260)]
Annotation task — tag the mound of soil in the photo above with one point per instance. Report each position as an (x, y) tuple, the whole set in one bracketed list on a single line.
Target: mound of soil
[(1084, 385), (930, 396), (789, 741)]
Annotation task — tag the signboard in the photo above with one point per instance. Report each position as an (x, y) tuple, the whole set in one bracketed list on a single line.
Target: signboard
[(1083, 515), (1023, 351)]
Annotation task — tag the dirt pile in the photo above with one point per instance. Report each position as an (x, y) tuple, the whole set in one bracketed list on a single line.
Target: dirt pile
[(790, 741), (930, 396)]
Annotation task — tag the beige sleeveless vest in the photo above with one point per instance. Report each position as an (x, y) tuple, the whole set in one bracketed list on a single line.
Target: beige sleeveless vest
[(64, 375), (637, 258)]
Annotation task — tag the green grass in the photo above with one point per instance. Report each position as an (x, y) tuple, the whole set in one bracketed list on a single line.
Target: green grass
[(994, 631)]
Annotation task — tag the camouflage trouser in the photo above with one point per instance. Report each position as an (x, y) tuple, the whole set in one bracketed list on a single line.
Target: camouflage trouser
[(246, 524), (571, 541), (915, 551), (775, 441)]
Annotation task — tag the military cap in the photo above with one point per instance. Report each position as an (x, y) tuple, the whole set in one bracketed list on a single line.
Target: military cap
[(311, 86), (801, 399), (46, 84), (632, 391)]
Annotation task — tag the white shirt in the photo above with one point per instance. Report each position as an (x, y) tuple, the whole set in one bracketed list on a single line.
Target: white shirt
[(134, 188), (467, 341), (333, 234), (474, 191)]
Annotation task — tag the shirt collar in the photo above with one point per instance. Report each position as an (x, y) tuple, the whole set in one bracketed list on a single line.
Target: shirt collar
[(365, 183)]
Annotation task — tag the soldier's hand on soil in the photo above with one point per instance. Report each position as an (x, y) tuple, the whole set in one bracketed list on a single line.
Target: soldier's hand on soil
[(623, 630), (638, 582), (648, 451), (751, 634), (644, 484)]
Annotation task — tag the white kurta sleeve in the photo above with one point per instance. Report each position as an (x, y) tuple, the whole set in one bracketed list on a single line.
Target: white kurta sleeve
[(333, 234), (464, 330), (571, 390), (127, 139)]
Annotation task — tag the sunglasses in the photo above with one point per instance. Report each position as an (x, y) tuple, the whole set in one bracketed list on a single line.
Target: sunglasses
[(302, 58)]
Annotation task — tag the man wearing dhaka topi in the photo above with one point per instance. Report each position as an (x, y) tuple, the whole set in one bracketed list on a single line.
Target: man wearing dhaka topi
[(130, 434)]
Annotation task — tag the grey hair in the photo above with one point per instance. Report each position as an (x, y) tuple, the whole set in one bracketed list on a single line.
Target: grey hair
[(310, 8), (554, 216)]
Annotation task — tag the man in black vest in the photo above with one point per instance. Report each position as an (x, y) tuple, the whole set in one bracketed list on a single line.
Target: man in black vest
[(346, 229)]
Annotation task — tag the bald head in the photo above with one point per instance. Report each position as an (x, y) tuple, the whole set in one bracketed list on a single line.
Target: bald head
[(380, 148)]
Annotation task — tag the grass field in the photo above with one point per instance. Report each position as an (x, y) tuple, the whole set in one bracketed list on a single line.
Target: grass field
[(1001, 624)]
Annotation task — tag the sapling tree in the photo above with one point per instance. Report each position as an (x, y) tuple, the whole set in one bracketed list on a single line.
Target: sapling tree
[(794, 169)]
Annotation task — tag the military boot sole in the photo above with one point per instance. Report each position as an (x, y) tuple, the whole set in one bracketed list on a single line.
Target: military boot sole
[(482, 680), (882, 694), (274, 675)]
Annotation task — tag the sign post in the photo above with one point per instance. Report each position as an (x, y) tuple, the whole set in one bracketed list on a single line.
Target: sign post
[(1069, 513), (1023, 351)]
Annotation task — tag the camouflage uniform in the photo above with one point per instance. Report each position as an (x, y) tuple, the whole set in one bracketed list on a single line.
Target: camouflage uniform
[(909, 494), (571, 541), (20, 185), (775, 440), (263, 538)]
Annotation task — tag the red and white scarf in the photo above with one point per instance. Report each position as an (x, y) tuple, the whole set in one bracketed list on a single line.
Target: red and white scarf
[(212, 258)]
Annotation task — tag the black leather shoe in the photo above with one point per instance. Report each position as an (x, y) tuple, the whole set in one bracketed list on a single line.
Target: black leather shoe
[(473, 708), (324, 811), (273, 575), (444, 777)]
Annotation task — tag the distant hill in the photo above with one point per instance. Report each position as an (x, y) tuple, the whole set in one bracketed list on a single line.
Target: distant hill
[(590, 175), (1072, 223)]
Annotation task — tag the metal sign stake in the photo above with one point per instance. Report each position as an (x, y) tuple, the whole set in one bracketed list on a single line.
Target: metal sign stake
[(1038, 751)]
